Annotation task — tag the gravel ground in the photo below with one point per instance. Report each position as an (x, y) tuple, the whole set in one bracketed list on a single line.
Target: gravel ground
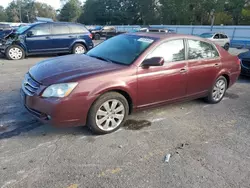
[(209, 144)]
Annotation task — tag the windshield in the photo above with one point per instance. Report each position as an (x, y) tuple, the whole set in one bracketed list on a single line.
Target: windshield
[(22, 29), (207, 35), (122, 49)]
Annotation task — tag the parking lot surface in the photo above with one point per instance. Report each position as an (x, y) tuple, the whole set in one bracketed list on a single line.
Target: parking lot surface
[(209, 145)]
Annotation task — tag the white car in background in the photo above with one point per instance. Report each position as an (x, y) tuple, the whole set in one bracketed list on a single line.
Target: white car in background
[(219, 38)]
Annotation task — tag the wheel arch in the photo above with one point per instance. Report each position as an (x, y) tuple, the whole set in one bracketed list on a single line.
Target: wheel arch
[(227, 78), (83, 42), (121, 91)]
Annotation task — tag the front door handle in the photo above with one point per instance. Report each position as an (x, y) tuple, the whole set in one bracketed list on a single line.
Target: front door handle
[(184, 70), (47, 37), (216, 65)]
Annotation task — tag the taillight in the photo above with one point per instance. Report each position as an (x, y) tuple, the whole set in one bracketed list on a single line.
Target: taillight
[(238, 61), (90, 35)]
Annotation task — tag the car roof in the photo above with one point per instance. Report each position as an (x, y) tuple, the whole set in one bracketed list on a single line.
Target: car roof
[(213, 33), (165, 35)]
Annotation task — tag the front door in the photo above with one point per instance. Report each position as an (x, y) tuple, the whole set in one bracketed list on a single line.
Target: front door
[(167, 82), (203, 65), (40, 39)]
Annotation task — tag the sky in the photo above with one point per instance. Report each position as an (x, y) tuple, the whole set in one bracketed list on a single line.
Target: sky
[(54, 3)]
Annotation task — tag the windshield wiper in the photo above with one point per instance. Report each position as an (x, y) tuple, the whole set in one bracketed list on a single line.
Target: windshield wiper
[(102, 58)]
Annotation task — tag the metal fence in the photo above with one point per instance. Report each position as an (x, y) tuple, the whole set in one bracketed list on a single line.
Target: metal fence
[(239, 35)]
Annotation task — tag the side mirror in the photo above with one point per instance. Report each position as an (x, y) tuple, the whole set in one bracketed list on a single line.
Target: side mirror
[(29, 34), (154, 61)]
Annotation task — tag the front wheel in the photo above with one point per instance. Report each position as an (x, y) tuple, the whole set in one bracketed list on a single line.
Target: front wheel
[(108, 113), (218, 91), (15, 53)]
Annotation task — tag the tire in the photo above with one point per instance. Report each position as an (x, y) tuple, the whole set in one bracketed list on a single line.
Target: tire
[(216, 94), (15, 52), (226, 46), (97, 36), (108, 121), (79, 49)]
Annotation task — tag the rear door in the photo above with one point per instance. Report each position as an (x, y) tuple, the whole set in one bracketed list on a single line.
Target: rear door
[(203, 65), (62, 39), (40, 40), (78, 31)]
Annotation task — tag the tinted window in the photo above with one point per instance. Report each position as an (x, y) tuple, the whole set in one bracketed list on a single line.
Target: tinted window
[(43, 29), (223, 36), (201, 50), (78, 29), (171, 51), (217, 36), (60, 29), (122, 49)]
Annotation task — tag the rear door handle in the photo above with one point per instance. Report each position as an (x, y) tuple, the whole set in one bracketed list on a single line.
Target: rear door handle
[(47, 37), (184, 70), (71, 36)]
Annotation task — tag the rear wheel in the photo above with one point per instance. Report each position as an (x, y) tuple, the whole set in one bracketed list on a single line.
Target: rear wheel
[(79, 49), (108, 113), (218, 91), (15, 53), (97, 36), (226, 47)]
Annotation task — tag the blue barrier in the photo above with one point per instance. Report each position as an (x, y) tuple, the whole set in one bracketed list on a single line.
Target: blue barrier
[(239, 35)]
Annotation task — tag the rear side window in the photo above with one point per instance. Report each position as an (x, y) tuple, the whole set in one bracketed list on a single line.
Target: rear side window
[(224, 36), (43, 29), (171, 51), (201, 50), (58, 29), (77, 29)]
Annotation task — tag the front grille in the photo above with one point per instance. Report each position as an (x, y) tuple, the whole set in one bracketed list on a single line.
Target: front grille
[(29, 85), (246, 63)]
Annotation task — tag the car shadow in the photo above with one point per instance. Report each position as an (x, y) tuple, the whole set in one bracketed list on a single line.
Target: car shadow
[(244, 79), (15, 120)]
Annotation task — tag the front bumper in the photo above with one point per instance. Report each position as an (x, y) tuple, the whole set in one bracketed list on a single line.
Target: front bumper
[(3, 47), (68, 112)]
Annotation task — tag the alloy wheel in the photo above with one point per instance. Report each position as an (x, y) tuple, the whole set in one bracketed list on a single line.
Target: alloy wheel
[(110, 115), (79, 50), (219, 90)]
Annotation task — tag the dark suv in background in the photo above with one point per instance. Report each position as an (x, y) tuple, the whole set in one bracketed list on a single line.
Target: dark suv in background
[(46, 38)]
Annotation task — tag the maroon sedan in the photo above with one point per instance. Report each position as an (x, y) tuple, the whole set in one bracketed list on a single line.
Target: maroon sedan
[(125, 73)]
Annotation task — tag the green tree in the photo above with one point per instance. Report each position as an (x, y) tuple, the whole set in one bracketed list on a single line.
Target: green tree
[(70, 11), (13, 12), (3, 16)]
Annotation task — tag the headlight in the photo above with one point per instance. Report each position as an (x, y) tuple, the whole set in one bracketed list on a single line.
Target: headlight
[(59, 90)]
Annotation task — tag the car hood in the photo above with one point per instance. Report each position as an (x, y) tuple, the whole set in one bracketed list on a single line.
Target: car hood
[(244, 55), (69, 68)]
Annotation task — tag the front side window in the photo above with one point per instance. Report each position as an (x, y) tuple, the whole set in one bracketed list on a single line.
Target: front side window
[(39, 30), (171, 51), (59, 29), (201, 50), (217, 36)]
